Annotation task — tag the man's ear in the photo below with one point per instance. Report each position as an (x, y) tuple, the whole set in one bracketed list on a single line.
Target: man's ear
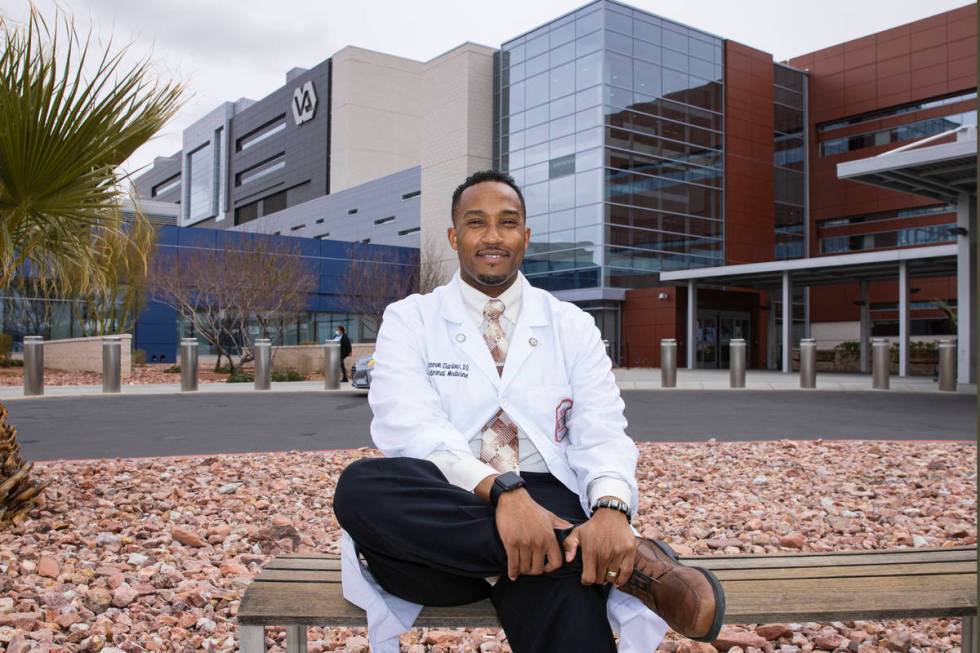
[(451, 234)]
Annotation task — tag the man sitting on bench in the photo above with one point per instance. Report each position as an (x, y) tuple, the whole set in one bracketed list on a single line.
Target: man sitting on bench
[(508, 472)]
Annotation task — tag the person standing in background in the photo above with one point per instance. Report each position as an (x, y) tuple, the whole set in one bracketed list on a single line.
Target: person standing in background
[(340, 334)]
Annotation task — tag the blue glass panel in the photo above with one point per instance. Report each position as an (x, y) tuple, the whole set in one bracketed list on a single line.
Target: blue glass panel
[(646, 51), (619, 70), (588, 23), (562, 54), (562, 34), (562, 107), (562, 80), (588, 71), (588, 43), (536, 65)]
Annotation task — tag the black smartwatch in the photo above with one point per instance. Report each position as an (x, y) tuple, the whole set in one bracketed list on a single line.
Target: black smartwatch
[(613, 504), (506, 482)]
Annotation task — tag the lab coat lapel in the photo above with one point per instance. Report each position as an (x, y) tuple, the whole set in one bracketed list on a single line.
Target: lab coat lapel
[(530, 332), (464, 334)]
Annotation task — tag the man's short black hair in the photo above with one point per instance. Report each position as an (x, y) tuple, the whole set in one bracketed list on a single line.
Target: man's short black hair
[(488, 175), (342, 329)]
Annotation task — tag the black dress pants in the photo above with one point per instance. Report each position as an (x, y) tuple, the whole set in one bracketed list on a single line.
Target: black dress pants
[(430, 542)]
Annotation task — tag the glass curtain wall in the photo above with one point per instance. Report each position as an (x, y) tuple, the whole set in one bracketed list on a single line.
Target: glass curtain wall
[(789, 161), (610, 119)]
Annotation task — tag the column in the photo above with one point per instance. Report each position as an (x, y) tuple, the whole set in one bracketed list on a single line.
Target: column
[(966, 291), (771, 362), (903, 318), (865, 333), (806, 313), (692, 323), (787, 323)]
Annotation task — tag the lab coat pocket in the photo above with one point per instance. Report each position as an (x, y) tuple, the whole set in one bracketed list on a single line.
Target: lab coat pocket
[(550, 406)]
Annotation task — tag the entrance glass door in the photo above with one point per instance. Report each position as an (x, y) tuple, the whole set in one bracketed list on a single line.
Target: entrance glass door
[(708, 341), (716, 329)]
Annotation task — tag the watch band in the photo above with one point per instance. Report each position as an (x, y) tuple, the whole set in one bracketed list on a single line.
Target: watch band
[(506, 482), (613, 504)]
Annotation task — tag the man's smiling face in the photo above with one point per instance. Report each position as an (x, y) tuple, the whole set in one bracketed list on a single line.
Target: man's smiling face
[(489, 236)]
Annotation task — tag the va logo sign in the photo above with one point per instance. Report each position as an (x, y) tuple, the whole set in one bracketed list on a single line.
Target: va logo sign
[(304, 103)]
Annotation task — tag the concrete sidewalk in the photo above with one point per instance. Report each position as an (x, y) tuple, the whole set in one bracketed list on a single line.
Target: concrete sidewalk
[(627, 378)]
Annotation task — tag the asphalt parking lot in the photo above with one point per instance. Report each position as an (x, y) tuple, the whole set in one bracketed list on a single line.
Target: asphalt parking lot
[(182, 424)]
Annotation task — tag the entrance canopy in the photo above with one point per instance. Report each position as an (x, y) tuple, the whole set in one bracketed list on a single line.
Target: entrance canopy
[(943, 171), (935, 261)]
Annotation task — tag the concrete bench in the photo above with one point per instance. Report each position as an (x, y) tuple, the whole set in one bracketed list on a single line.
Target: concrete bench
[(298, 591)]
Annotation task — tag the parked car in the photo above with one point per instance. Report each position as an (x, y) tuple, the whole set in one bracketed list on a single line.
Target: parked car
[(360, 372)]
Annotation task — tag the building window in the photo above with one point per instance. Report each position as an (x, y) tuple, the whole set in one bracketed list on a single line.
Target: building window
[(366, 241), (562, 166), (381, 221), (940, 233), (406, 232), (887, 215), (319, 220), (274, 203), (297, 227), (247, 213), (896, 111), (912, 131), (259, 134), (414, 193), (321, 236), (166, 186), (261, 169), (200, 171), (351, 211)]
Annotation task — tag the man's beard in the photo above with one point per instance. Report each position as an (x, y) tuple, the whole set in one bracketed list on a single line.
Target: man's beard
[(492, 279)]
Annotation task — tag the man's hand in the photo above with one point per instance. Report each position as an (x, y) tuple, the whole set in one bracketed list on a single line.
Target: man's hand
[(608, 545), (527, 531)]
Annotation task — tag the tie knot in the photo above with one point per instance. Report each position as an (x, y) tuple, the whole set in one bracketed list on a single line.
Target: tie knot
[(493, 310)]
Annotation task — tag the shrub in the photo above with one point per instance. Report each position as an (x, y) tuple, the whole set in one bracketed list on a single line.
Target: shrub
[(849, 349), (6, 345), (287, 375), (222, 370), (925, 347), (139, 357), (173, 369), (241, 377), (11, 362)]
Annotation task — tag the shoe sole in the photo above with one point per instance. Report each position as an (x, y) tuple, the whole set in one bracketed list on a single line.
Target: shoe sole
[(719, 593)]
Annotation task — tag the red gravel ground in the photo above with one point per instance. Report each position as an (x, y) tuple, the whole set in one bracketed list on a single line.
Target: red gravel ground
[(155, 553)]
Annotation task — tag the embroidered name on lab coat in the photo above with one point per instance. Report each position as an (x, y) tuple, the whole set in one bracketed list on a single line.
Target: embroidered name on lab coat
[(449, 369)]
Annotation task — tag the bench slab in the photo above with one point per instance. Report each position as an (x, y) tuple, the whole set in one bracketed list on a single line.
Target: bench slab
[(300, 589)]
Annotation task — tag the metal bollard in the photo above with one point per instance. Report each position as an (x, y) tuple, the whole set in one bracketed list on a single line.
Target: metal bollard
[(668, 363), (880, 364), (188, 364), (331, 366), (808, 363), (111, 364), (947, 365), (263, 364), (736, 358), (33, 365)]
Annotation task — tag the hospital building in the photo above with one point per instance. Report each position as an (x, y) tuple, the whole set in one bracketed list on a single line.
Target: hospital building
[(679, 184)]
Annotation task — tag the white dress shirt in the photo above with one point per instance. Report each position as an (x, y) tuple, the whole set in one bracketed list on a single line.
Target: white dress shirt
[(467, 472)]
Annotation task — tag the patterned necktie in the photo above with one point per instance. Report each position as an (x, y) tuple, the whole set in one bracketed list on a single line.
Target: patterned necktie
[(498, 439)]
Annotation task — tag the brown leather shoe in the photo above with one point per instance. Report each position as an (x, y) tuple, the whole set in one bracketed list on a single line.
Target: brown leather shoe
[(689, 599)]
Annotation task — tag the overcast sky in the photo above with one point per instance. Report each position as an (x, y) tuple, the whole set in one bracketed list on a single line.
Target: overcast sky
[(226, 49)]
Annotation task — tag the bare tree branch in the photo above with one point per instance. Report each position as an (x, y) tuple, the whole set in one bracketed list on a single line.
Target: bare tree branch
[(261, 281)]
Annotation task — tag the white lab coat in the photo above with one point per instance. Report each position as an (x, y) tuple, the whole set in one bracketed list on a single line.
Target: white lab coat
[(434, 385)]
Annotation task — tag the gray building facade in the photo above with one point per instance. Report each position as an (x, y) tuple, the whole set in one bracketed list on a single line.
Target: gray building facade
[(385, 211), (247, 159)]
